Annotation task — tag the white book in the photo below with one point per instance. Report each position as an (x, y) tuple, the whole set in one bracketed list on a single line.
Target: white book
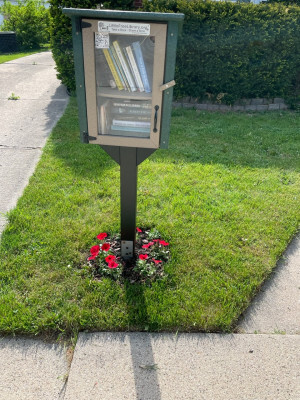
[(137, 124), (135, 69), (124, 66)]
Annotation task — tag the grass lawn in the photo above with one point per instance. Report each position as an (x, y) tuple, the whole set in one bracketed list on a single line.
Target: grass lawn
[(226, 196), (13, 56)]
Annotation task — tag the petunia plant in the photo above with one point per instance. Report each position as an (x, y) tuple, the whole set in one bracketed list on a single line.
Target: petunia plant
[(151, 254)]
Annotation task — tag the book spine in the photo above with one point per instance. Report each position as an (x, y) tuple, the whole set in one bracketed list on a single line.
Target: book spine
[(103, 120), (141, 65), (132, 111), (145, 106), (135, 69), (133, 124), (124, 66), (113, 69), (119, 67), (129, 129)]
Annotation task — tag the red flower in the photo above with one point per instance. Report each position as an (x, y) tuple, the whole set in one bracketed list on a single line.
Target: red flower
[(105, 246), (163, 243), (110, 258), (156, 261), (92, 258), (95, 250), (113, 264), (102, 236), (146, 246), (139, 230), (143, 256)]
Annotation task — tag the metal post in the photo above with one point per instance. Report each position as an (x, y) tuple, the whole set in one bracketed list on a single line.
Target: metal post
[(128, 167)]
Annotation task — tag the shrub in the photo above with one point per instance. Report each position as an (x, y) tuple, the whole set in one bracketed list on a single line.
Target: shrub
[(229, 51), (30, 21), (61, 34)]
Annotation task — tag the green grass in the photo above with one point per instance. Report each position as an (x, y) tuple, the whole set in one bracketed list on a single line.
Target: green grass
[(226, 196), (5, 57)]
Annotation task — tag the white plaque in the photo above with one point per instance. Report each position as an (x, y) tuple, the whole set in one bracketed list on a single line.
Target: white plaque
[(124, 28)]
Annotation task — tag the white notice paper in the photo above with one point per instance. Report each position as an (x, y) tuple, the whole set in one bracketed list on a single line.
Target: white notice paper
[(101, 40), (124, 28)]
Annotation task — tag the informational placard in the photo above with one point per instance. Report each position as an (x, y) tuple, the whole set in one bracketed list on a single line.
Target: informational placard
[(101, 40), (124, 28)]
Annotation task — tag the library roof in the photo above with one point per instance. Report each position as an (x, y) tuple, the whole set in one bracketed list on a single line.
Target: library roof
[(126, 15)]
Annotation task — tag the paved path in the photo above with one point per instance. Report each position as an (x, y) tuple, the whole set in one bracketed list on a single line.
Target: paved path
[(26, 123), (138, 366)]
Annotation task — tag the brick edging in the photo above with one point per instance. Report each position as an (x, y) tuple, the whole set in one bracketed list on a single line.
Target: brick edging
[(257, 104)]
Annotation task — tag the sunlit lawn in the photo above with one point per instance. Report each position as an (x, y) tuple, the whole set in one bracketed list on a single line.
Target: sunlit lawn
[(4, 57), (226, 196)]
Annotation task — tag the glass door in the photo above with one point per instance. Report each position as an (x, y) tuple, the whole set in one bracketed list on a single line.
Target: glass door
[(124, 69)]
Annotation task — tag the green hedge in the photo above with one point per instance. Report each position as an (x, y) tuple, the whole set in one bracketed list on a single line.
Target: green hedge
[(29, 19), (229, 51), (61, 34)]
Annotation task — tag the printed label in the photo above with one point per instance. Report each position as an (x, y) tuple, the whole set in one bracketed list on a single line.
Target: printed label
[(124, 28), (101, 40)]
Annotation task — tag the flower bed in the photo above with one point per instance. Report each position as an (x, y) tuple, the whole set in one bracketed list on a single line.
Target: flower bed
[(147, 265)]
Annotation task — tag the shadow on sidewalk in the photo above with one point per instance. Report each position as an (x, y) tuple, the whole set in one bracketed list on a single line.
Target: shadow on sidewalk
[(143, 362)]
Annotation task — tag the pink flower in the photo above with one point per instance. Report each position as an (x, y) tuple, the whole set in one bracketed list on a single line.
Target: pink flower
[(105, 246), (102, 236), (113, 264), (143, 256), (146, 246), (95, 250), (139, 230), (110, 258), (163, 243), (156, 261)]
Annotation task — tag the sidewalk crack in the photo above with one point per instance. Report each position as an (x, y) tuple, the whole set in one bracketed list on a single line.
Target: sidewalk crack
[(5, 146)]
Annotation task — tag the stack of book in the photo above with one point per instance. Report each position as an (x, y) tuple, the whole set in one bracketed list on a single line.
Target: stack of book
[(127, 67), (125, 118)]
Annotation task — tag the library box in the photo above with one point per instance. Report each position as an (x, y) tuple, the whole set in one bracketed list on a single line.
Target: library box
[(124, 68)]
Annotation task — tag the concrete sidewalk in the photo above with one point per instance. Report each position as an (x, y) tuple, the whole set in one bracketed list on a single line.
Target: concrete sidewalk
[(138, 366), (162, 366), (26, 123)]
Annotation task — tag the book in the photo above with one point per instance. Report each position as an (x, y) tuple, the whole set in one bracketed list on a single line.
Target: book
[(104, 76), (103, 115), (132, 124), (136, 47), (113, 69), (134, 68), (131, 111), (124, 66), (119, 67), (129, 129), (128, 104)]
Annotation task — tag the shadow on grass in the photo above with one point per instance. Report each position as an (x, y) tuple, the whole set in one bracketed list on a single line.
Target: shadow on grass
[(85, 160), (258, 140)]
